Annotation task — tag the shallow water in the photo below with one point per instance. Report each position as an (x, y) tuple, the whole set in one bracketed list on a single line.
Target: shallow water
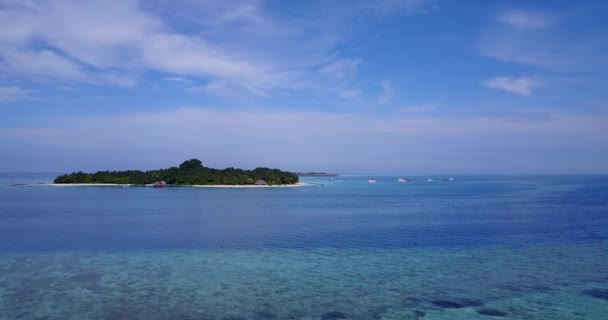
[(478, 248)]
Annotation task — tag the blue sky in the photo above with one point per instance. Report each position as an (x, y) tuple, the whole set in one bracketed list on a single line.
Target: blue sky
[(409, 86)]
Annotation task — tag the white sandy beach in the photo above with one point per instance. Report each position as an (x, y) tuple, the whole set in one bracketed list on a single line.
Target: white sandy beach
[(253, 186), (84, 185)]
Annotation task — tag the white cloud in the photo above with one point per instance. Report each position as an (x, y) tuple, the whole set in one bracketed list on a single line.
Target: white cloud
[(421, 108), (395, 7), (338, 76), (508, 47), (43, 63), (522, 85), (86, 42), (341, 69), (387, 94), (543, 39), (248, 12), (229, 89), (178, 79), (240, 45), (349, 93), (11, 93), (527, 19)]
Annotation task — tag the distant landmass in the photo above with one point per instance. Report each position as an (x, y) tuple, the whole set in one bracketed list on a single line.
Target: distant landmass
[(316, 174), (190, 172)]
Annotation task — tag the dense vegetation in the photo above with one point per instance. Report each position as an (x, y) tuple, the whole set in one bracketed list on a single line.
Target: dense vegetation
[(191, 172)]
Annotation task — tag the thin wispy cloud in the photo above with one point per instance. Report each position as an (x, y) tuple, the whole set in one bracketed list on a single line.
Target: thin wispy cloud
[(338, 77), (178, 79), (393, 7), (421, 108), (386, 94), (349, 93), (341, 69), (543, 39), (11, 93), (528, 19), (375, 136), (522, 86)]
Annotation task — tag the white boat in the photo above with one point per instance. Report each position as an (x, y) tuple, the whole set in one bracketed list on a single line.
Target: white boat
[(402, 180), (451, 179), (429, 180), (371, 181)]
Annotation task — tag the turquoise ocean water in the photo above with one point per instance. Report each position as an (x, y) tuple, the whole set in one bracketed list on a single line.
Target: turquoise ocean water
[(481, 247)]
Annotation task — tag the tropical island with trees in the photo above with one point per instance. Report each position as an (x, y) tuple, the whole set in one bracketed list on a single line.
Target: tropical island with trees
[(189, 173)]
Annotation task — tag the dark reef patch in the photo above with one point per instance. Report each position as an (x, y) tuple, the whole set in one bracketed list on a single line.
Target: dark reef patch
[(525, 287), (419, 314), (457, 303), (193, 316), (492, 313), (181, 313), (333, 315), (376, 312), (121, 314), (446, 304), (411, 302), (597, 293), (265, 315)]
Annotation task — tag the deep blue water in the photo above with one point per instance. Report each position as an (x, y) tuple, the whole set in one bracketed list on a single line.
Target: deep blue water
[(522, 247)]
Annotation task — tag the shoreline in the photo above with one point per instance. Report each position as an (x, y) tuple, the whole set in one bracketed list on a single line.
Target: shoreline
[(118, 185), (295, 185)]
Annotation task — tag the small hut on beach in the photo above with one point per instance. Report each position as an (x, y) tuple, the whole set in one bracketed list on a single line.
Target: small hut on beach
[(261, 183), (159, 184)]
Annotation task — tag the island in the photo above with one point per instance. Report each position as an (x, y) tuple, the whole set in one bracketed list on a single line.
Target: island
[(189, 173)]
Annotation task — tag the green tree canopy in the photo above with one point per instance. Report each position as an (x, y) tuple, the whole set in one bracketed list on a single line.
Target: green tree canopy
[(190, 172), (191, 164)]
